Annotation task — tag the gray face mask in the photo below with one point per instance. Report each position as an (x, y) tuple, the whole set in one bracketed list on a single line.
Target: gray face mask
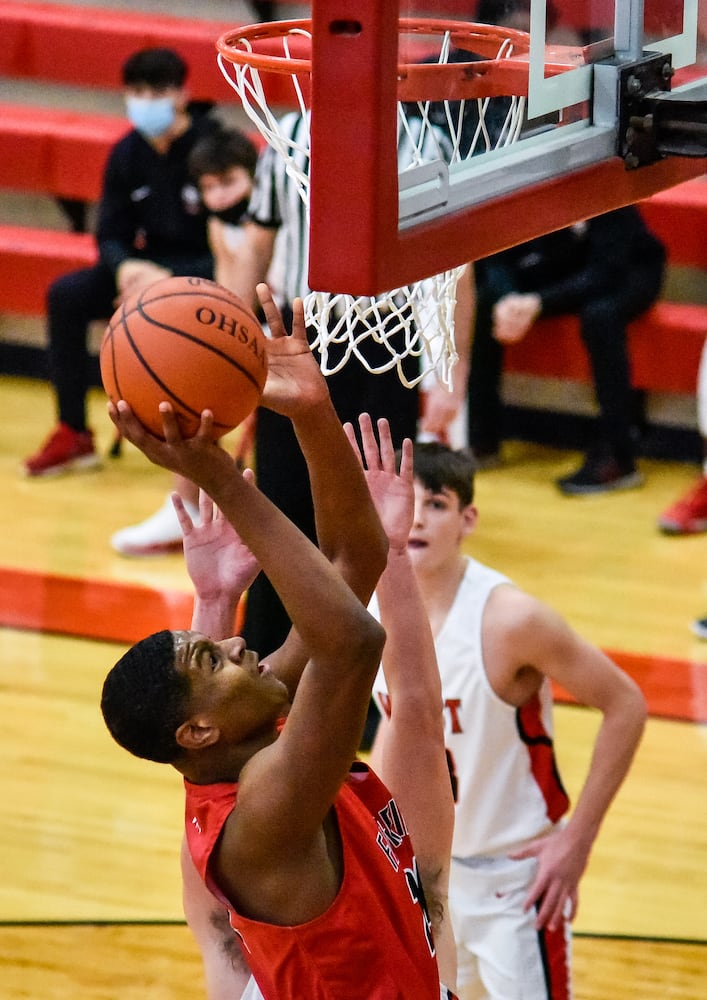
[(151, 116)]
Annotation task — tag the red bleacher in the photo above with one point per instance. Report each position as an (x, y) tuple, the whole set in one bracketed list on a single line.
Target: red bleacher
[(87, 46), (679, 217), (665, 346), (55, 151), (30, 259)]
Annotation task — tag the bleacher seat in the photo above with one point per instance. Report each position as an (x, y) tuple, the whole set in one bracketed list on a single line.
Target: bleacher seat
[(30, 259), (54, 151), (87, 46)]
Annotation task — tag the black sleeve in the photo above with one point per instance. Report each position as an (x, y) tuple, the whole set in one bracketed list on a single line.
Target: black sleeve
[(116, 225), (613, 243)]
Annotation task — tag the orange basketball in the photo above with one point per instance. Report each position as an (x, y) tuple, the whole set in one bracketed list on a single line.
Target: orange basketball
[(188, 341)]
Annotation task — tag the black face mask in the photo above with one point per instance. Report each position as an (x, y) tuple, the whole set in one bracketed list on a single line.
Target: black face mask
[(232, 216)]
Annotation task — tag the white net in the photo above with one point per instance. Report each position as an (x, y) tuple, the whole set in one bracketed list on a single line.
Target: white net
[(412, 326), (416, 322)]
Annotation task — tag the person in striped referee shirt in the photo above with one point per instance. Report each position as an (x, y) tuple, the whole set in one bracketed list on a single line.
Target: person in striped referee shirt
[(276, 246)]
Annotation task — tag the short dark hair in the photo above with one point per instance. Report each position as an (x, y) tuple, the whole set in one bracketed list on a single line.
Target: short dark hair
[(439, 467), (144, 699), (500, 11), (158, 68), (220, 151)]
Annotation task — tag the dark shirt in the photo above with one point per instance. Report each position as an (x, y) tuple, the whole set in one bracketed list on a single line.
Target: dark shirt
[(568, 266), (150, 207)]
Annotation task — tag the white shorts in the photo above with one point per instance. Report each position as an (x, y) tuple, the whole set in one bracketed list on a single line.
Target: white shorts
[(501, 956), (251, 992)]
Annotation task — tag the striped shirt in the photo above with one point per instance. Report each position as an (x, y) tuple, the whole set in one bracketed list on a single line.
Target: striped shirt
[(276, 202)]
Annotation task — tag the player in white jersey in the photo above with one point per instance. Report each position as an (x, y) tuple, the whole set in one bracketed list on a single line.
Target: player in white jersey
[(516, 862)]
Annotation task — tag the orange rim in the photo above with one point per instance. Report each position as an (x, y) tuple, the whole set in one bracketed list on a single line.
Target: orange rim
[(228, 46), (490, 76), (482, 39)]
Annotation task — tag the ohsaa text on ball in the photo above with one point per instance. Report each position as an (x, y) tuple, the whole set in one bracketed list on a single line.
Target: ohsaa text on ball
[(232, 328)]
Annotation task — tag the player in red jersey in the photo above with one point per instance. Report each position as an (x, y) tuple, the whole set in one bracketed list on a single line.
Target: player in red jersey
[(313, 862)]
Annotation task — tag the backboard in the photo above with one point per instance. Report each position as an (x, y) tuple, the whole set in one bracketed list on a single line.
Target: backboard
[(368, 232), (607, 104)]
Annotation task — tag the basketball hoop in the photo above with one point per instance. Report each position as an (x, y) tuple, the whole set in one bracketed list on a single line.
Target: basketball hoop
[(461, 92)]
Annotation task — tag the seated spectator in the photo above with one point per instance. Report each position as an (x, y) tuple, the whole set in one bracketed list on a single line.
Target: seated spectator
[(608, 270), (150, 225)]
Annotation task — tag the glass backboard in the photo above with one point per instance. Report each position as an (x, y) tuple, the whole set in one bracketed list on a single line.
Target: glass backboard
[(585, 79)]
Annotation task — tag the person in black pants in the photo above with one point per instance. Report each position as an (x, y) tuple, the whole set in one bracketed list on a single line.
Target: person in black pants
[(276, 241), (608, 271), (150, 225)]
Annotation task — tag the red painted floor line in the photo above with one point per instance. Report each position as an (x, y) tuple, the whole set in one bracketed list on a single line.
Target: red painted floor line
[(673, 688), (124, 613), (116, 612)]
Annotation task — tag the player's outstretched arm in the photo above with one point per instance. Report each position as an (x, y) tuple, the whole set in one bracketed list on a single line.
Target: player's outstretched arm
[(348, 529), (415, 731)]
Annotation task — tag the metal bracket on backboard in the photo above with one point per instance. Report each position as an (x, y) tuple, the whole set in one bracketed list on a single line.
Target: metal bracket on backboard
[(654, 122), (422, 188)]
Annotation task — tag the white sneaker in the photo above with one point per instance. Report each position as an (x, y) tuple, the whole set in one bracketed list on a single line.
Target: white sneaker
[(157, 536)]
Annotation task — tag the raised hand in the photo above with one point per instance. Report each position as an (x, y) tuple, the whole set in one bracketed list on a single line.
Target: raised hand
[(391, 490), (295, 382), (217, 561)]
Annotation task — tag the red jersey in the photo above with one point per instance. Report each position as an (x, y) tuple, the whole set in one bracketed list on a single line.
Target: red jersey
[(375, 940)]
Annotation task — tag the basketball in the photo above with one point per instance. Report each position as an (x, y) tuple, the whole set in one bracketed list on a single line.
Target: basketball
[(188, 341)]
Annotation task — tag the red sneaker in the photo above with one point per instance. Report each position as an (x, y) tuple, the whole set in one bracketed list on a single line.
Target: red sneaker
[(65, 450), (688, 515)]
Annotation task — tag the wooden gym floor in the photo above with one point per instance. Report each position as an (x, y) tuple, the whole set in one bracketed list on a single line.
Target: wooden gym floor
[(89, 875)]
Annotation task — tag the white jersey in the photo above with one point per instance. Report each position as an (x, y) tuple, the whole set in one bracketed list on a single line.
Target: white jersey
[(508, 789)]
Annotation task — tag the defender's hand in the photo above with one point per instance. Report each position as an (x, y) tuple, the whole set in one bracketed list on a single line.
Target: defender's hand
[(217, 561), (391, 491)]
